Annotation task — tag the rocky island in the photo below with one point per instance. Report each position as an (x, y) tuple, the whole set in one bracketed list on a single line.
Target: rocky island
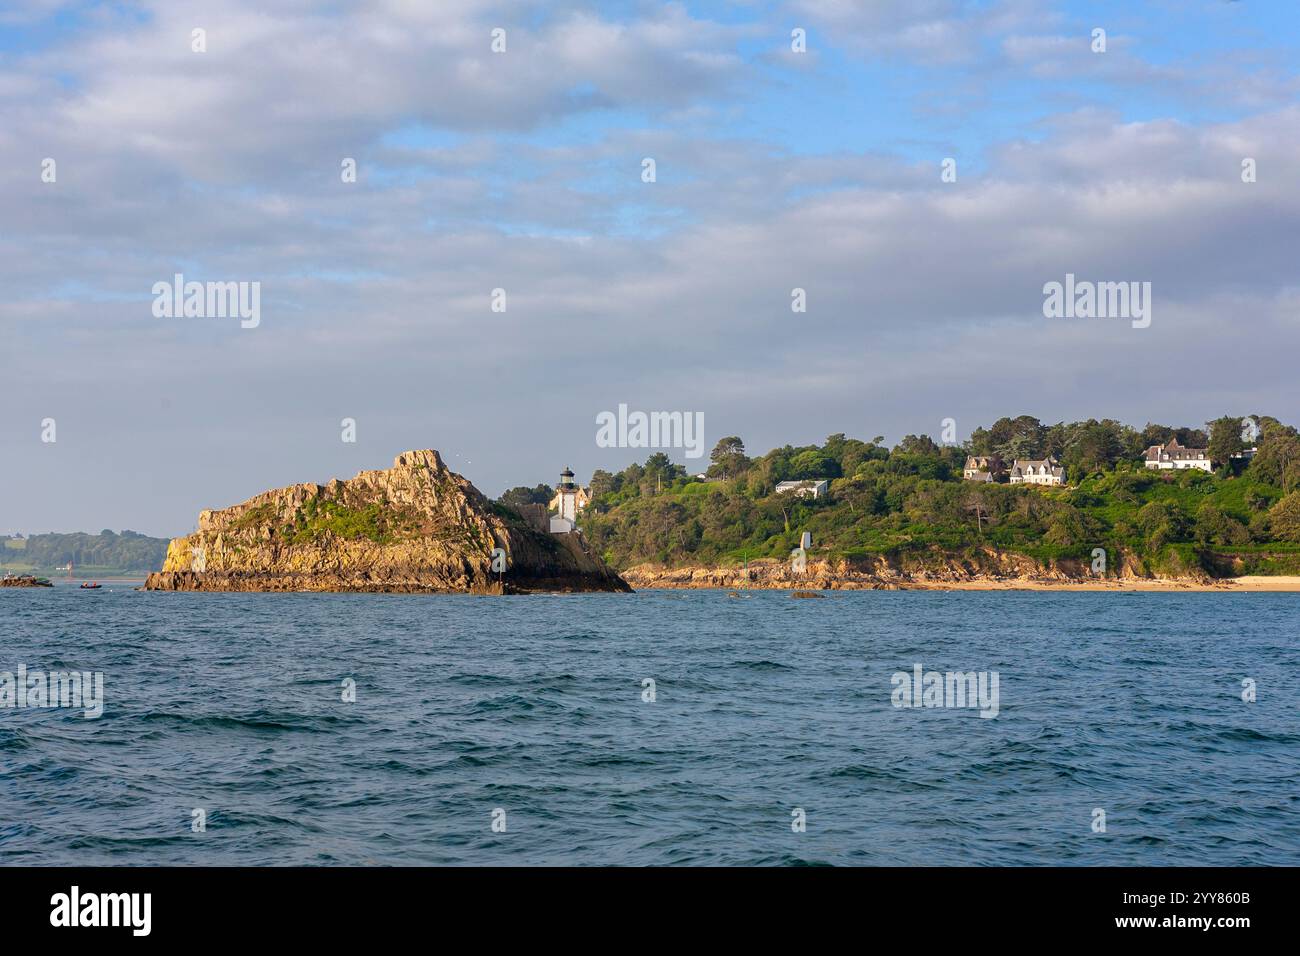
[(415, 528), (24, 581)]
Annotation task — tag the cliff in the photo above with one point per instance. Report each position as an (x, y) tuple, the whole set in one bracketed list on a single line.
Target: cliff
[(417, 527), (986, 567)]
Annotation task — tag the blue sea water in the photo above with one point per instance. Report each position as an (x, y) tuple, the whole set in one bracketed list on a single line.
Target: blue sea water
[(1130, 703)]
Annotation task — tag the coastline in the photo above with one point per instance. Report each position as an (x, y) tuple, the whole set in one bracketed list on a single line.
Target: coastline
[(643, 578)]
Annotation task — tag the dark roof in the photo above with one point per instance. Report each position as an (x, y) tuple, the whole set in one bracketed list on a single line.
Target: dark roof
[(1038, 464), (1172, 451)]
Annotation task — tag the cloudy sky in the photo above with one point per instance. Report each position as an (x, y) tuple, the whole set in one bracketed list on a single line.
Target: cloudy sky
[(523, 170)]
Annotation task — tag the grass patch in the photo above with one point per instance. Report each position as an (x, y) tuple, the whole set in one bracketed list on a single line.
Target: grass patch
[(375, 522)]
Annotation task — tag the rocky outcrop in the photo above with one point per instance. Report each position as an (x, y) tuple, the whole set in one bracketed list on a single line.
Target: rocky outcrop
[(24, 581), (932, 569), (417, 527)]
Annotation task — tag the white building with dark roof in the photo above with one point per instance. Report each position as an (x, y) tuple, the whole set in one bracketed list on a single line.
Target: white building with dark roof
[(1036, 471), (1173, 456)]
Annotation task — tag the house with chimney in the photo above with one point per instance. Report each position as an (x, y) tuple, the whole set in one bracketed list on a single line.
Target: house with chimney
[(1036, 471), (983, 468), (1172, 456)]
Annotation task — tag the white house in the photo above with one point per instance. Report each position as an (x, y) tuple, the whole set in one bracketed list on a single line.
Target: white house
[(1036, 471), (1174, 456), (802, 488)]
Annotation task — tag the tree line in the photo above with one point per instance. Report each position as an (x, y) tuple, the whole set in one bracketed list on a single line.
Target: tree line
[(128, 551)]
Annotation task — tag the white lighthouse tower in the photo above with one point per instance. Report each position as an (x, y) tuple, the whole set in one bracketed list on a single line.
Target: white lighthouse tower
[(568, 495), (565, 503)]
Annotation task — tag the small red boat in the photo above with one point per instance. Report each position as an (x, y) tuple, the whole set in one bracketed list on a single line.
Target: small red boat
[(90, 586)]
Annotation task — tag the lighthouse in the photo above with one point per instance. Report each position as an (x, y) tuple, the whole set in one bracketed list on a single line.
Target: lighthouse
[(570, 498), (567, 495)]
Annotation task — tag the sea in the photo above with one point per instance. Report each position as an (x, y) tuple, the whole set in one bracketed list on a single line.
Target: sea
[(657, 728)]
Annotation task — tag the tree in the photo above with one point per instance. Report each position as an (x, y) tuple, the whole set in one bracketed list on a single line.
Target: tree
[(1092, 446), (729, 456), (814, 463), (1284, 518), (973, 502), (1225, 439), (917, 445), (540, 495), (602, 483), (660, 472), (1215, 527), (980, 442), (1020, 437), (1066, 528), (1162, 522), (1277, 456)]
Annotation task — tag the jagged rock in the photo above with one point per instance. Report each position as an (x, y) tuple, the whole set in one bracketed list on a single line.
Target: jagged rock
[(417, 527)]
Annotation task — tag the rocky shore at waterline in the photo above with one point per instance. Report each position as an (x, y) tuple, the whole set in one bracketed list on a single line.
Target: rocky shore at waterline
[(988, 570)]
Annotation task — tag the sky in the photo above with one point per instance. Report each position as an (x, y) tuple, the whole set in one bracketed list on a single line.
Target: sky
[(523, 170)]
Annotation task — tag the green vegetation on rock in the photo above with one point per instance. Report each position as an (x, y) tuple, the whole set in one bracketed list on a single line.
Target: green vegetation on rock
[(376, 522)]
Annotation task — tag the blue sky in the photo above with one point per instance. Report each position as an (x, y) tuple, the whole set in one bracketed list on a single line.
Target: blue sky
[(522, 171)]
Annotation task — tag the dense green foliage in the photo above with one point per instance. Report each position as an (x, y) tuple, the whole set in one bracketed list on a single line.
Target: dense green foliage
[(1241, 519), (540, 495), (107, 550)]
